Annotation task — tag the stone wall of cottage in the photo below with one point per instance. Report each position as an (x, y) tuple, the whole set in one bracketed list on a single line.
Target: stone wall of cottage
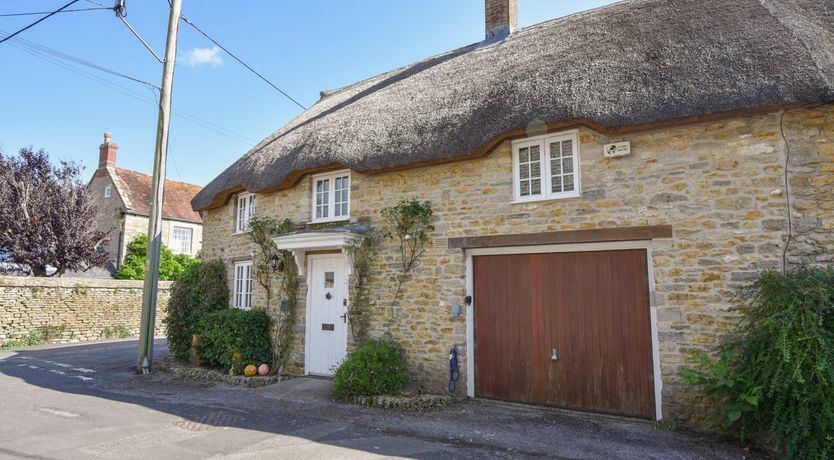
[(810, 136), (721, 186), (79, 309)]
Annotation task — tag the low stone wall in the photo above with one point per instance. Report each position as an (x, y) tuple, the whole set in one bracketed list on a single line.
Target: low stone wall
[(73, 310)]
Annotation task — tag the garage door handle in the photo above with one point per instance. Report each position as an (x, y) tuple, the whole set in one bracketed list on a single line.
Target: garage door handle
[(554, 355)]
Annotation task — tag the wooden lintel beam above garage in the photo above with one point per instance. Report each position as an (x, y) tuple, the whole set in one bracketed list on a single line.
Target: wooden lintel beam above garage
[(596, 235)]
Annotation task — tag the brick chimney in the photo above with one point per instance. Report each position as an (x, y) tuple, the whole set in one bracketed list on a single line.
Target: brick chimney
[(501, 18), (107, 153)]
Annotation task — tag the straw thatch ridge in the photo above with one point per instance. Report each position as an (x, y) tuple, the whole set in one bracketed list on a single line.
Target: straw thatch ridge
[(634, 63)]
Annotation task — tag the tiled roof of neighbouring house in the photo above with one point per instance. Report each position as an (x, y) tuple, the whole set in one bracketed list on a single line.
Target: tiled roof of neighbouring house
[(635, 63), (176, 202)]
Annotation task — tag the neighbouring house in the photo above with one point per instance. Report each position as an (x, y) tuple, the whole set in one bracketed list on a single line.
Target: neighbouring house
[(601, 183), (122, 198)]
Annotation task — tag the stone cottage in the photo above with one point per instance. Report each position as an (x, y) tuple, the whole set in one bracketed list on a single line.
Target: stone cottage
[(601, 183), (122, 199)]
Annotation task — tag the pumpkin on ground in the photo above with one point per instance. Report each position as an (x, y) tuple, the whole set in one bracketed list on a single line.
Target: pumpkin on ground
[(263, 369), (250, 370)]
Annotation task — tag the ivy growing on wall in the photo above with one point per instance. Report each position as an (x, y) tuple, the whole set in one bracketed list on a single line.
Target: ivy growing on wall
[(363, 251), (271, 265), (408, 223)]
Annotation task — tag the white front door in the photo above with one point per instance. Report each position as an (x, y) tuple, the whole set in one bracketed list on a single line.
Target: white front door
[(326, 308)]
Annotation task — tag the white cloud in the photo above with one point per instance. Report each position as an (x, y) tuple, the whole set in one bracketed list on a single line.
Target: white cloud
[(204, 56)]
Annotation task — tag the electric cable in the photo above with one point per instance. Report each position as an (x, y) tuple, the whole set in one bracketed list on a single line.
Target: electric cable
[(194, 119), (188, 21), (40, 20), (35, 13), (69, 57)]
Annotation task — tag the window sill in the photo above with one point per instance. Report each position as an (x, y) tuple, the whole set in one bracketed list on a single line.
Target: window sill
[(329, 221), (548, 198)]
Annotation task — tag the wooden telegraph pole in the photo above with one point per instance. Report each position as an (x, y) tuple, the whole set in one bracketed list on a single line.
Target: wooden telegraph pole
[(144, 360)]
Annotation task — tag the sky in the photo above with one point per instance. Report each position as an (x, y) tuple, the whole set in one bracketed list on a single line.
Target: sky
[(221, 109)]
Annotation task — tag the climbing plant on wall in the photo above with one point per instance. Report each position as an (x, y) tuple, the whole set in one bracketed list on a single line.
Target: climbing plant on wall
[(363, 251), (408, 223), (273, 265)]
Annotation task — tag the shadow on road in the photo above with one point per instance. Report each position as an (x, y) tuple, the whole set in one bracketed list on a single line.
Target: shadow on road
[(473, 429)]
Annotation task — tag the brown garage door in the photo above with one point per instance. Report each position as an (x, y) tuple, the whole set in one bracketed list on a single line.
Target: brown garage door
[(590, 308)]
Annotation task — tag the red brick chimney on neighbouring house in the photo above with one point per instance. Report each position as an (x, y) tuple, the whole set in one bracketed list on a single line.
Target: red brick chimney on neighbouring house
[(501, 18), (107, 153)]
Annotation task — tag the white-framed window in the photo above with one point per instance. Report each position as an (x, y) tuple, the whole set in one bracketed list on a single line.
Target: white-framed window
[(181, 240), (546, 167), (108, 191), (331, 196), (244, 211), (243, 285)]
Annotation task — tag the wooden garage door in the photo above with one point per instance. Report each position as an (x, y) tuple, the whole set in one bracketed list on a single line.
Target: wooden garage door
[(591, 307)]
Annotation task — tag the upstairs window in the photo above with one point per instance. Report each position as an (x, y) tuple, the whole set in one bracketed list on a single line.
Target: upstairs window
[(245, 210), (331, 196), (546, 167), (181, 240), (108, 191)]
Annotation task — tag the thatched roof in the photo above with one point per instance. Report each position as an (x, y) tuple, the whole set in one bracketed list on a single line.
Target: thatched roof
[(634, 63)]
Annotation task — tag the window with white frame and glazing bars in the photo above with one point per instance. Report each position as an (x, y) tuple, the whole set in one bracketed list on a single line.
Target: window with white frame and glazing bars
[(331, 196), (243, 285), (181, 240), (244, 211), (546, 167)]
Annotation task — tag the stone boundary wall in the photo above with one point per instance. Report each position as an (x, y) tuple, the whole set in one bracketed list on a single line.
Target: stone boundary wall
[(75, 309)]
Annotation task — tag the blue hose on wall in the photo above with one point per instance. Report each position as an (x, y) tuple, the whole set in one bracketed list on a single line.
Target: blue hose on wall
[(454, 372)]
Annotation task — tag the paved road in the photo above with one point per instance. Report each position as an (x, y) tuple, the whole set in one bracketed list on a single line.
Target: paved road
[(86, 402)]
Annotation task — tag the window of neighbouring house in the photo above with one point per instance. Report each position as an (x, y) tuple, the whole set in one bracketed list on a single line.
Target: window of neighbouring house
[(546, 167), (108, 191), (181, 240), (243, 285), (244, 211), (331, 196)]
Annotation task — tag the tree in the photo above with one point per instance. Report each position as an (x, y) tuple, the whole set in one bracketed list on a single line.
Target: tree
[(171, 265), (45, 215)]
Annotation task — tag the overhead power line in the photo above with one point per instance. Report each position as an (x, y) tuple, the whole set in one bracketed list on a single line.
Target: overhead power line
[(40, 20), (30, 44), (188, 21), (51, 56), (35, 13)]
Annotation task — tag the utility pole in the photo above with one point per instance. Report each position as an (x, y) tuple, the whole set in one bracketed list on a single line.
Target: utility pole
[(144, 359)]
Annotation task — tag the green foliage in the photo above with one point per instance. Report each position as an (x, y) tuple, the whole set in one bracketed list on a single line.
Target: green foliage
[(32, 339), (171, 265), (409, 224), (377, 367), (118, 331), (364, 254), (721, 379), (269, 264), (39, 336), (201, 289), (776, 377), (234, 338)]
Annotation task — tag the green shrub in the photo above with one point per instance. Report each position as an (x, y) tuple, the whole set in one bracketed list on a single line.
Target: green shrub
[(32, 339), (776, 377), (377, 367), (201, 289), (119, 331), (233, 338), (171, 266)]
